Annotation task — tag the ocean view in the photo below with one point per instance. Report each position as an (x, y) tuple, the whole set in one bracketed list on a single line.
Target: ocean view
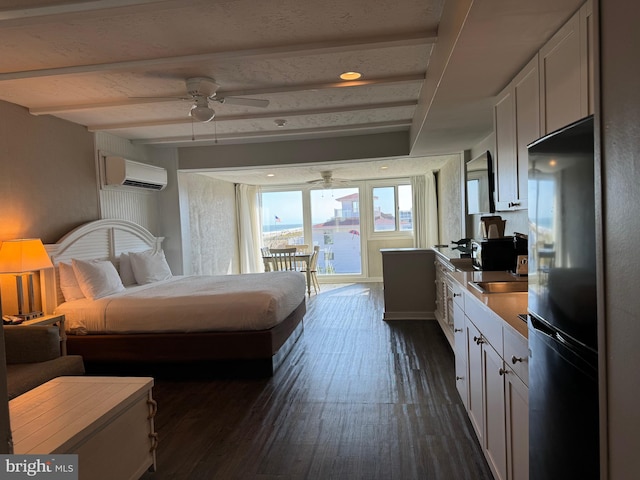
[(276, 227)]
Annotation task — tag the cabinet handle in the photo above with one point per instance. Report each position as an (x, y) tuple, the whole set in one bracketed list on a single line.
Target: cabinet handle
[(514, 204), (457, 295), (456, 330), (503, 371), (515, 359), (478, 340), (459, 378)]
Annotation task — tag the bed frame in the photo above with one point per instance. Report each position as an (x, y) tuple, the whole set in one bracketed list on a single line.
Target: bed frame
[(257, 353)]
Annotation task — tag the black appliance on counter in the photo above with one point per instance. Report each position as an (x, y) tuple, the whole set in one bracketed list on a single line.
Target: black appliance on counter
[(497, 253), (563, 360)]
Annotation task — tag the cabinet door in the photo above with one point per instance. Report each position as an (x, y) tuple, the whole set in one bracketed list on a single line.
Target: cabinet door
[(494, 445), (526, 94), (562, 78), (460, 349), (475, 376), (517, 409), (505, 155)]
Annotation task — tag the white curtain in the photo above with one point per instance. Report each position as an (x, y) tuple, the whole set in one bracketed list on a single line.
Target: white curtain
[(425, 208), (249, 237)]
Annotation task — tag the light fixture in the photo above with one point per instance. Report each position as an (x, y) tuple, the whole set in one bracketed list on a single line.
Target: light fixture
[(271, 174), (201, 110), (350, 75), (280, 122), (21, 258)]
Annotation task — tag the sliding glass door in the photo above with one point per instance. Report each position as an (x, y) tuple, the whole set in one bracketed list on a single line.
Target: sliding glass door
[(335, 227), (330, 218)]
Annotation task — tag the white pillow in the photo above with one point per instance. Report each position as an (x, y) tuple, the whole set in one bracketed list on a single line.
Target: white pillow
[(68, 283), (126, 272), (149, 266), (97, 278)]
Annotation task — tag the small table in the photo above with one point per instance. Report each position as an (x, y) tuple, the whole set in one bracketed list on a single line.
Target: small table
[(302, 256), (106, 421), (51, 320)]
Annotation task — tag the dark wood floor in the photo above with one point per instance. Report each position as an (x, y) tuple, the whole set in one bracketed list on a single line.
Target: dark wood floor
[(358, 398)]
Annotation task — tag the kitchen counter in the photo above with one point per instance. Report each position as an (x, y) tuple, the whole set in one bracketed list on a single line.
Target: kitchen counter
[(454, 256), (506, 305)]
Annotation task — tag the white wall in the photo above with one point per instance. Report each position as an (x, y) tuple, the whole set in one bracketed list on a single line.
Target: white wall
[(620, 156), (450, 207)]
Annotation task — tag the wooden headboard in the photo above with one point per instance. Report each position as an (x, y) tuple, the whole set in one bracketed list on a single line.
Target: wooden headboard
[(101, 239)]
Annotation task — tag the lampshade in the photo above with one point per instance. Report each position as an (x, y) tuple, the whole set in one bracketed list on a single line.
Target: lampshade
[(23, 255)]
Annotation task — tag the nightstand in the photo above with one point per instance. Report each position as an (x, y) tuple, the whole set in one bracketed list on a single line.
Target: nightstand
[(51, 320)]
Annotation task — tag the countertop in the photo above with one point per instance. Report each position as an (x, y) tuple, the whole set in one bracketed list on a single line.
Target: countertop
[(459, 259), (506, 305)]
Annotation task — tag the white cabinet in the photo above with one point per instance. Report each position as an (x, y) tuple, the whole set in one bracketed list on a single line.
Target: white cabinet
[(517, 123), (566, 72), (476, 380), (517, 426), (444, 298), (553, 90), (460, 349), (495, 442), (497, 393)]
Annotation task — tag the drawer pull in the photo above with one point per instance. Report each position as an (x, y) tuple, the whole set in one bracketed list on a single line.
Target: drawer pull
[(459, 378), (478, 340), (514, 204), (515, 359), (503, 371), (457, 295), (456, 330)]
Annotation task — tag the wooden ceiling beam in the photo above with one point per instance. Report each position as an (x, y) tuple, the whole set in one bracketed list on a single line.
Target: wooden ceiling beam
[(57, 109), (272, 52)]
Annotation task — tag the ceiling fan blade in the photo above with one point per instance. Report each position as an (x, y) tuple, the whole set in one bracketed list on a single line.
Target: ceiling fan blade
[(162, 98), (247, 102)]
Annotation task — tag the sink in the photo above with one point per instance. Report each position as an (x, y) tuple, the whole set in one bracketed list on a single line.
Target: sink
[(500, 287)]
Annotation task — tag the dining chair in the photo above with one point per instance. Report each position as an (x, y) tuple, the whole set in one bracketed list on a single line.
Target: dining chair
[(313, 268), (283, 258), (301, 248)]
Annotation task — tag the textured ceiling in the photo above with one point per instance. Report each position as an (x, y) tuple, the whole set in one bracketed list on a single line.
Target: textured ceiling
[(430, 67)]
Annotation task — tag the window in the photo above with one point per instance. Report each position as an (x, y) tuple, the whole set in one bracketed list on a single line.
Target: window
[(392, 208), (282, 219)]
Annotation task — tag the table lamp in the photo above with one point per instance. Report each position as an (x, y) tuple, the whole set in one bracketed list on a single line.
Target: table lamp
[(21, 258)]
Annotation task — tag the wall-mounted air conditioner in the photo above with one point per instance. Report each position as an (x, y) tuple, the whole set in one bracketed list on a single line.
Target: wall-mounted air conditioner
[(120, 171)]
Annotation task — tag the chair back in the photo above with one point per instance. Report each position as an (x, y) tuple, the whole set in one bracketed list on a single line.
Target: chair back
[(313, 262), (283, 258)]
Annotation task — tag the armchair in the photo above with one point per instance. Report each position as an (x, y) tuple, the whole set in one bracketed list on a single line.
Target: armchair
[(33, 357)]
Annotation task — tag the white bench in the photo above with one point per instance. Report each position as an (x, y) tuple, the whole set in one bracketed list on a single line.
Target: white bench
[(106, 421)]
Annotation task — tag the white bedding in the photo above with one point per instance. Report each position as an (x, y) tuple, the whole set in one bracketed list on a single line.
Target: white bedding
[(191, 304)]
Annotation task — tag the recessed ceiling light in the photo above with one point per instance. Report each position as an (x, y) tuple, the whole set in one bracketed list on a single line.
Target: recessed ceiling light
[(384, 167), (280, 122), (350, 75), (271, 174)]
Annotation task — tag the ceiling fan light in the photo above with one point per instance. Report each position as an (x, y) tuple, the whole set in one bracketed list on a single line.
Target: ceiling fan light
[(202, 114)]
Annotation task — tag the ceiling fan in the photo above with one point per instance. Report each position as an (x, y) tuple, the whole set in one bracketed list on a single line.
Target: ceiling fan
[(328, 181), (202, 90)]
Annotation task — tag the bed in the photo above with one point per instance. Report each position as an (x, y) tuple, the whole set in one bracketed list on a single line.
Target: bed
[(230, 323)]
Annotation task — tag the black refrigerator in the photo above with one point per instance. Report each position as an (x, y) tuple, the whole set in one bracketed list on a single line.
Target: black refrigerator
[(562, 320)]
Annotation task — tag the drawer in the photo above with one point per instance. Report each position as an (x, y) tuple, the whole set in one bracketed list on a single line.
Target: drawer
[(457, 292), (516, 353), (485, 320)]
